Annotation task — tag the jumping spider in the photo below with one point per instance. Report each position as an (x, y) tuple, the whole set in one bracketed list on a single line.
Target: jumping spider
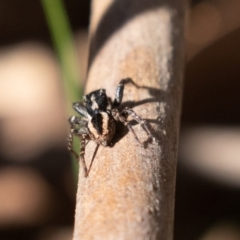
[(98, 120)]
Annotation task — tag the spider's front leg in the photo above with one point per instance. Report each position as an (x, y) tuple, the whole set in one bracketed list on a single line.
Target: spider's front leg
[(78, 128), (120, 89)]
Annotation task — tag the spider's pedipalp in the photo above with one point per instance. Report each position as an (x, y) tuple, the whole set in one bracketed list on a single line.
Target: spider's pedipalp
[(80, 109)]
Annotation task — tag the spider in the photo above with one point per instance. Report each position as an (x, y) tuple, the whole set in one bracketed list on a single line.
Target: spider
[(98, 120)]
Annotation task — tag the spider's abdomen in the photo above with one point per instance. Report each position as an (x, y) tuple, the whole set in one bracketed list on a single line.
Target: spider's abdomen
[(102, 128)]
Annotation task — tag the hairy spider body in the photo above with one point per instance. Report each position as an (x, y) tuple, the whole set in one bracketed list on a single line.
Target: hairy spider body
[(102, 128), (98, 119)]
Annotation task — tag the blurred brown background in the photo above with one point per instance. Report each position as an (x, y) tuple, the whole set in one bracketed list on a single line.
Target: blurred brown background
[(37, 187)]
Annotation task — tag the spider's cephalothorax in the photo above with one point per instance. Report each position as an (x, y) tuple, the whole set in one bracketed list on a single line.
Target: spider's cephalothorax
[(98, 119)]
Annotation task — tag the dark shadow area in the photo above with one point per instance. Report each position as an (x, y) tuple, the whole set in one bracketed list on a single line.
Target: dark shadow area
[(25, 21), (211, 92), (201, 203), (21, 233), (211, 98)]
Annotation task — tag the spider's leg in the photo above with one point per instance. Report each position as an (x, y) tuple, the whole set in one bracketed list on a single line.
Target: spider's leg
[(77, 122), (83, 140), (118, 117), (141, 121), (78, 127), (80, 109), (119, 92), (70, 143)]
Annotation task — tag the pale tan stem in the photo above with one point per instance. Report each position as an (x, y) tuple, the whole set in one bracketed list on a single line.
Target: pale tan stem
[(129, 192)]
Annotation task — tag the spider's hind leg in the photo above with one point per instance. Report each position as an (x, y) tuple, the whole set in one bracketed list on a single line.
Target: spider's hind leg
[(119, 117), (142, 122)]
